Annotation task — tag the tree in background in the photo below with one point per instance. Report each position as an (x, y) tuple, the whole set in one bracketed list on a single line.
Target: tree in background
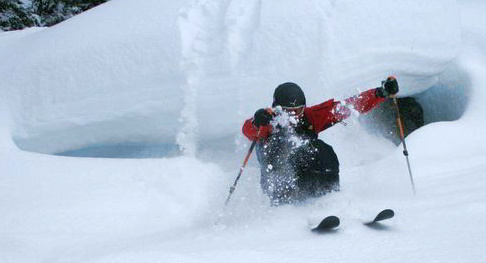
[(15, 15), (19, 14), (52, 12)]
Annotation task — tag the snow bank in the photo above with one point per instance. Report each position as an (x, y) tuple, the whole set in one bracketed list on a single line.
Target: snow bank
[(186, 71), (99, 87), (465, 137), (94, 200), (6, 143)]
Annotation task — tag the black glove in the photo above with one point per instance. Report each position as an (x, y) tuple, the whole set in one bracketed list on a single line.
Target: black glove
[(388, 87), (261, 118)]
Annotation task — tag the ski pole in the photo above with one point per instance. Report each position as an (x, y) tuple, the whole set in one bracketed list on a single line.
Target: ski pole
[(402, 138), (232, 188)]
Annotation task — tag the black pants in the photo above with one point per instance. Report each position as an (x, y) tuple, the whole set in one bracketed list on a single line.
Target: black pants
[(291, 174)]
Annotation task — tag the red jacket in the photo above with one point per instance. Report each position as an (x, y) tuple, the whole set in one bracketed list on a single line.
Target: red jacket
[(324, 115)]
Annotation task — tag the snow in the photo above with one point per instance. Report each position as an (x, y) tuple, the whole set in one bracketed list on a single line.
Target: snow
[(166, 74), (186, 62)]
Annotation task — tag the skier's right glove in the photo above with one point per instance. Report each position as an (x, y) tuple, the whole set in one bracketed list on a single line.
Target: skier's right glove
[(261, 118), (388, 88)]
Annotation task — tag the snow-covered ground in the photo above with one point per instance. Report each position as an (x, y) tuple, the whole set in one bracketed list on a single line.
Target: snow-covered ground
[(185, 74)]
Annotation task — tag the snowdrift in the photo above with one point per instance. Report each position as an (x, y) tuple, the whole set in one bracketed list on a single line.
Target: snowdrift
[(181, 72), (189, 72)]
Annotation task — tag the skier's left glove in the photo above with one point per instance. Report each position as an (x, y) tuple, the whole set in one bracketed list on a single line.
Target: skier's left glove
[(388, 88)]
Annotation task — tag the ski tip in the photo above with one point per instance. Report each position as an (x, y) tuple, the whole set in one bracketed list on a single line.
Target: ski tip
[(383, 215), (388, 210), (328, 224)]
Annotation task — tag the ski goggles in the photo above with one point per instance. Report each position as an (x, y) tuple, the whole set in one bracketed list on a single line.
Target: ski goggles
[(295, 111)]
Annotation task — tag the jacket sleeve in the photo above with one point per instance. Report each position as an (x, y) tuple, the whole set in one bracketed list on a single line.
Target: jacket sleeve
[(364, 101), (253, 133), (325, 115)]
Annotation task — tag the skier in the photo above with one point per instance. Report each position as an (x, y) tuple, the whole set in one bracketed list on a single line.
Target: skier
[(294, 163)]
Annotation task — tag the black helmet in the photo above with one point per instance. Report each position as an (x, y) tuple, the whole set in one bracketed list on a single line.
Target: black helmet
[(288, 95)]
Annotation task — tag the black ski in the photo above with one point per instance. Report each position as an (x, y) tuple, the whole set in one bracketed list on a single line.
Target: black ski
[(327, 224), (332, 222), (383, 215)]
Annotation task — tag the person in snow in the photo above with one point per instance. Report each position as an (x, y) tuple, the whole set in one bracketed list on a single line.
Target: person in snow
[(294, 163)]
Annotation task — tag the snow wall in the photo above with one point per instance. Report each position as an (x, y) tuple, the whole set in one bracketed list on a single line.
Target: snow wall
[(187, 71)]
